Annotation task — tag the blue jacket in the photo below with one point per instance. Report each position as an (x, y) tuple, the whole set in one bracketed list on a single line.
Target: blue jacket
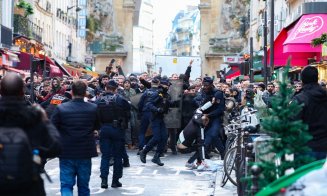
[(143, 103), (215, 111), (76, 121)]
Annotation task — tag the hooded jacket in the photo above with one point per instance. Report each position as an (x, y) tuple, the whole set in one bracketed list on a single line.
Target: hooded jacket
[(314, 113)]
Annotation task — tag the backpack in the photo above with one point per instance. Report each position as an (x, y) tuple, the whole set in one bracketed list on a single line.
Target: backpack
[(17, 168)]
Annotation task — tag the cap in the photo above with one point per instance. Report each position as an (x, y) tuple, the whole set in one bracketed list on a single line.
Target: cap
[(208, 80), (165, 82), (112, 84), (155, 80)]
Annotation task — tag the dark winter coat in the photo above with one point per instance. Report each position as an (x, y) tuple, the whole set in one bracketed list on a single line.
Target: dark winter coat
[(314, 113), (76, 121), (14, 112)]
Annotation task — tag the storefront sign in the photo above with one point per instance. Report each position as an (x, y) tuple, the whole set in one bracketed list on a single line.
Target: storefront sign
[(233, 59)]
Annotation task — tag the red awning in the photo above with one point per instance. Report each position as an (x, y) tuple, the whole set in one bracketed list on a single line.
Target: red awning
[(233, 73), (11, 69), (293, 41), (299, 37)]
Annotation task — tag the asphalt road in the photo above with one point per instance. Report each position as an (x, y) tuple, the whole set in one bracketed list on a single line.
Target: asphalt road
[(149, 179)]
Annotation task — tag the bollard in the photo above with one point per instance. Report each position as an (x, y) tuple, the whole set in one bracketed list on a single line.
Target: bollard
[(256, 171)]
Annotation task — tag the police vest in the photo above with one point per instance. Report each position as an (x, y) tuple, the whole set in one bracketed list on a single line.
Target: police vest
[(109, 110)]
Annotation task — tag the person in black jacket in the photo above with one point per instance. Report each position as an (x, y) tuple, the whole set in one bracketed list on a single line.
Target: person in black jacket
[(76, 121), (314, 111), (15, 112)]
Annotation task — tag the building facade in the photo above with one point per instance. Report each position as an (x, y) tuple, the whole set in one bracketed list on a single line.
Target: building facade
[(56, 25), (6, 23), (114, 41), (143, 36), (184, 39), (287, 18), (224, 30)]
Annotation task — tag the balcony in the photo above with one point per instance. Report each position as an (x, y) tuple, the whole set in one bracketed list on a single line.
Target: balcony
[(25, 27)]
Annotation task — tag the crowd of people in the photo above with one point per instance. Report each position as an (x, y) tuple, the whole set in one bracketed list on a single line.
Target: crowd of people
[(80, 113)]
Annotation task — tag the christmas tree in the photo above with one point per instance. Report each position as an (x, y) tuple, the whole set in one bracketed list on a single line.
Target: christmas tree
[(287, 148)]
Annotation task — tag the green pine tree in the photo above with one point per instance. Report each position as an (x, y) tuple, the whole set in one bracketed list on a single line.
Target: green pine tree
[(289, 136)]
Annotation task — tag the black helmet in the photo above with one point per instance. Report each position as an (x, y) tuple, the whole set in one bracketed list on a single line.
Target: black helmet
[(250, 129)]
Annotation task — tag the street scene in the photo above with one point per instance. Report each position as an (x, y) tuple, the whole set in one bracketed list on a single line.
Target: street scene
[(163, 97), (149, 179)]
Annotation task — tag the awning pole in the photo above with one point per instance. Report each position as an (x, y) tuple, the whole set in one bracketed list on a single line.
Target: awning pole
[(251, 60), (272, 35), (265, 46), (32, 79)]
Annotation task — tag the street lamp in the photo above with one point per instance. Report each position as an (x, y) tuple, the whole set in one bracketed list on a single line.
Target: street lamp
[(70, 41), (77, 8)]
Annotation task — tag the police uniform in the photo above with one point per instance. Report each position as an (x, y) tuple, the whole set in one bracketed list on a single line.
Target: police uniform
[(158, 105), (215, 114), (145, 112), (113, 112)]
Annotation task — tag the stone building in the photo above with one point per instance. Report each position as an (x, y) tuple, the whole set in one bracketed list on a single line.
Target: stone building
[(224, 30)]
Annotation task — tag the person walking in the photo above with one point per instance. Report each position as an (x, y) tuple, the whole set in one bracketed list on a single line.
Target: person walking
[(113, 112), (314, 111), (42, 135), (76, 121)]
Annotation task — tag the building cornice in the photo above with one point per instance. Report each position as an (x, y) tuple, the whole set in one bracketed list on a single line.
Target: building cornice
[(111, 54), (203, 6), (39, 8)]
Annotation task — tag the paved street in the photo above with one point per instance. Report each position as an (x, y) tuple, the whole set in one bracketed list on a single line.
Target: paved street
[(150, 179)]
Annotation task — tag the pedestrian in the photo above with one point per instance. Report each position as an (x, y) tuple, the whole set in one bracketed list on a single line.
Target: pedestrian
[(113, 111), (314, 111), (76, 121), (42, 135)]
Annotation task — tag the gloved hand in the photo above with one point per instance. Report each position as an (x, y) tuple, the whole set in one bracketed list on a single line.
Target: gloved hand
[(160, 110)]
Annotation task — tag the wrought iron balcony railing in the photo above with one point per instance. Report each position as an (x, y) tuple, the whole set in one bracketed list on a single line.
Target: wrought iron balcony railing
[(23, 26)]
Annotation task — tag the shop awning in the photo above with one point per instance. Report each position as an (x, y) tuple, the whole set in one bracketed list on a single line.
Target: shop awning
[(233, 72), (295, 41), (308, 27), (11, 69)]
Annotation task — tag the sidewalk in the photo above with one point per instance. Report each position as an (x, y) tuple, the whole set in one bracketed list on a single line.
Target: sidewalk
[(229, 189)]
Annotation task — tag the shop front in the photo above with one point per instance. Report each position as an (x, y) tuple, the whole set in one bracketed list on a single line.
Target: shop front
[(294, 41), (8, 63), (31, 48)]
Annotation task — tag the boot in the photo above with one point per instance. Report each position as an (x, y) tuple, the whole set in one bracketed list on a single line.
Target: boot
[(156, 159), (143, 156), (116, 184), (126, 163), (104, 183)]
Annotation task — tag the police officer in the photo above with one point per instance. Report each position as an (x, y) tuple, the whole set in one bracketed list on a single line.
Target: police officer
[(113, 112), (158, 105), (214, 114), (145, 111)]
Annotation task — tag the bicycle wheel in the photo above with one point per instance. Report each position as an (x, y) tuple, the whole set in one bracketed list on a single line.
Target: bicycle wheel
[(224, 178), (229, 165), (242, 174), (230, 142)]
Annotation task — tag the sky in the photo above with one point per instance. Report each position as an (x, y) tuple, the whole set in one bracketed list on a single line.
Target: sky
[(164, 12)]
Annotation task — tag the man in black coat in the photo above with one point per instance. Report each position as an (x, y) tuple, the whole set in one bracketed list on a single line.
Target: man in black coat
[(314, 111), (43, 136), (76, 121)]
